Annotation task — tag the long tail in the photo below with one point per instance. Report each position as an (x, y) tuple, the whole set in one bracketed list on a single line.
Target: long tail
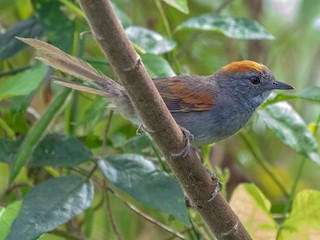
[(60, 60)]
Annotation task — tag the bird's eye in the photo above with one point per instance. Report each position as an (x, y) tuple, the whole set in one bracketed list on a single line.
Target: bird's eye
[(255, 80)]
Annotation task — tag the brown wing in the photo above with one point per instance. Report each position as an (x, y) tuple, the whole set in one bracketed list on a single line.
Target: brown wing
[(186, 93)]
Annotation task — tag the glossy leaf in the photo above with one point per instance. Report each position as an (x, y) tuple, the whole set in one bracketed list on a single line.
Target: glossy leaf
[(150, 41), (290, 128), (24, 83), (157, 66), (59, 151), (304, 219), (232, 27), (181, 5), (253, 209), (58, 27), (146, 184), (7, 215), (50, 204), (9, 45)]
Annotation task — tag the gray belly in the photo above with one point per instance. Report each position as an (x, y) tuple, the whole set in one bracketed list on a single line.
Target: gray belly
[(209, 127)]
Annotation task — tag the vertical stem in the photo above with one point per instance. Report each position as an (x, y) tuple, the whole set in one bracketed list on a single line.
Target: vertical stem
[(7, 129), (263, 163), (164, 18)]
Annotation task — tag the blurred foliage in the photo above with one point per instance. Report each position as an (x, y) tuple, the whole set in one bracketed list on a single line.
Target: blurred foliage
[(71, 169)]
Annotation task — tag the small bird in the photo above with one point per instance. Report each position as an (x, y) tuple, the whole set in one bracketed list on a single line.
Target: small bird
[(211, 108)]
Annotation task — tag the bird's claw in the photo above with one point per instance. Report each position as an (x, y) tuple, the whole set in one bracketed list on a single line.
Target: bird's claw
[(188, 139), (217, 187)]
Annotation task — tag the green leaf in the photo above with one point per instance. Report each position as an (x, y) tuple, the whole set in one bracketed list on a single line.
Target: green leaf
[(34, 135), (304, 219), (311, 93), (58, 27), (181, 5), (150, 41), (59, 151), (24, 83), (138, 144), (8, 149), (7, 215), (157, 66), (53, 150), (146, 184), (253, 210), (124, 19), (232, 27), (9, 45), (290, 128), (50, 204)]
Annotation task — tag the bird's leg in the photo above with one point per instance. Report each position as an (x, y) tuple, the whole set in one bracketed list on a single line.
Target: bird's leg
[(188, 139), (217, 185)]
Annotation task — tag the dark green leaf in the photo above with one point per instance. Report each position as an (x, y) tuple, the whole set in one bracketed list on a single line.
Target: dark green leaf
[(157, 66), (138, 144), (9, 45), (60, 151), (290, 128), (7, 215), (50, 204), (150, 41), (232, 27), (53, 150), (24, 83), (8, 149), (181, 5), (57, 26), (146, 184)]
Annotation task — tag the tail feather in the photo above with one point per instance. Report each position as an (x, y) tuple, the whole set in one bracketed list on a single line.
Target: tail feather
[(60, 60), (78, 86)]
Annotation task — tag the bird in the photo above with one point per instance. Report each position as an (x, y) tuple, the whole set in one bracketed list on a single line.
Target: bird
[(211, 108)]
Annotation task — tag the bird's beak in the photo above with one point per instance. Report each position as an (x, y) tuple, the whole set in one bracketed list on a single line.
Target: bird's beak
[(281, 85)]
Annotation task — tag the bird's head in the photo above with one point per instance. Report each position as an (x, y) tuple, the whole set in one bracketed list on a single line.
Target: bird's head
[(248, 81)]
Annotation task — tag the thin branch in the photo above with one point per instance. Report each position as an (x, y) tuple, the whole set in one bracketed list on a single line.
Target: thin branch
[(105, 135), (113, 223), (146, 217)]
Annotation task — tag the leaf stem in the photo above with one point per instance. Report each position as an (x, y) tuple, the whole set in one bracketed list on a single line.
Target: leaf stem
[(113, 223), (164, 18), (7, 129), (263, 163), (14, 71)]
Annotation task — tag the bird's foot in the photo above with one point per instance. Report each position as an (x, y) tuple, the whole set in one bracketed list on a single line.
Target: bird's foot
[(217, 187), (188, 139)]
